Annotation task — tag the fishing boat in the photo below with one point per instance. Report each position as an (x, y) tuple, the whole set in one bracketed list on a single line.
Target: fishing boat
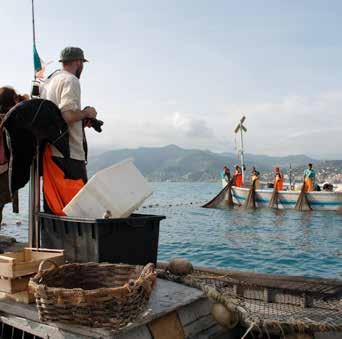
[(264, 194), (321, 201)]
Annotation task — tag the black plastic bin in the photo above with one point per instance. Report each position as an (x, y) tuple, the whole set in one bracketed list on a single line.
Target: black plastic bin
[(132, 240)]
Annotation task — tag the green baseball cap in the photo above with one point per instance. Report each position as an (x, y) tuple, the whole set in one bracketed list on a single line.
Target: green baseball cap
[(72, 53)]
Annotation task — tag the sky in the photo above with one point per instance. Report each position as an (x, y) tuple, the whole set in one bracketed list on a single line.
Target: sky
[(184, 71)]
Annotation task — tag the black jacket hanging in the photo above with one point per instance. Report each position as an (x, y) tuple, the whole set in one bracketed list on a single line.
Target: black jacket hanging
[(29, 122)]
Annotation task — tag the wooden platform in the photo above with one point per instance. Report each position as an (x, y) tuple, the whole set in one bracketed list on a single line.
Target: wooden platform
[(174, 311)]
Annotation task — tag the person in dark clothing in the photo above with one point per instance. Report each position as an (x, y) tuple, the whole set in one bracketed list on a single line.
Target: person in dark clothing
[(225, 175), (8, 99)]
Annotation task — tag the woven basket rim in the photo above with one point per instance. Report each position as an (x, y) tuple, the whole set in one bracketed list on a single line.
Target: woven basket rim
[(151, 274)]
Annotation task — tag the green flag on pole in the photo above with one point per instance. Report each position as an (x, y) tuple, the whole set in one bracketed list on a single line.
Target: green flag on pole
[(37, 62)]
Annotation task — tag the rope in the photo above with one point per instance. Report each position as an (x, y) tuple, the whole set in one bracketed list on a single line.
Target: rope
[(36, 114), (248, 330), (186, 204)]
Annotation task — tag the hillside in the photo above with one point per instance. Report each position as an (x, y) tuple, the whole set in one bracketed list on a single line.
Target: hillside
[(327, 170), (177, 164)]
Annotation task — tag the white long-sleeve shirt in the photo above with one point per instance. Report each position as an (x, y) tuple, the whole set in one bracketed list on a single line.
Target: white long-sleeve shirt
[(63, 89)]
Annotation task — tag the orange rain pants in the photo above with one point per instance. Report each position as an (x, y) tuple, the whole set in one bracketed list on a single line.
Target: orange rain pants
[(238, 180), (308, 185), (278, 184), (58, 191)]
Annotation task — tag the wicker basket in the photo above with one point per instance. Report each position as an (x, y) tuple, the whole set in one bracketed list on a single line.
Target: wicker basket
[(91, 294)]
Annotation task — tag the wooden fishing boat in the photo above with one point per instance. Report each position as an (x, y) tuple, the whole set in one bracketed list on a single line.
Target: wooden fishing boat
[(182, 306), (320, 201)]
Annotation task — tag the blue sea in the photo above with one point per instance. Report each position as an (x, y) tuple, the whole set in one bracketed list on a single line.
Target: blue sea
[(264, 240)]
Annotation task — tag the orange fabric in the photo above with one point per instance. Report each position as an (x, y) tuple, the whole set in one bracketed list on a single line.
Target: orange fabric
[(58, 191), (308, 185), (279, 184), (238, 179)]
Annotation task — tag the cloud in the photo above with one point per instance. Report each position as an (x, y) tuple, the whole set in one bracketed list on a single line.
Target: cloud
[(183, 129), (293, 124), (289, 125), (192, 127)]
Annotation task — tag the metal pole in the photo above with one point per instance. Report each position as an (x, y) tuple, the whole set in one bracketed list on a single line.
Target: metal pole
[(33, 26), (31, 231), (34, 202), (36, 198), (34, 192), (242, 155)]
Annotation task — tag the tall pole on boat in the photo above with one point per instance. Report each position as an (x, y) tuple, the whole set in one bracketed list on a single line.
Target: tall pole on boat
[(33, 33), (242, 156), (34, 191), (241, 128)]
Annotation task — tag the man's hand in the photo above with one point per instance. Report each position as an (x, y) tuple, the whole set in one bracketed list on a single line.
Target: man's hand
[(90, 112), (74, 116)]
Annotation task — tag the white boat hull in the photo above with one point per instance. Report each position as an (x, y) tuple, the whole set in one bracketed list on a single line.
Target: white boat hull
[(322, 201)]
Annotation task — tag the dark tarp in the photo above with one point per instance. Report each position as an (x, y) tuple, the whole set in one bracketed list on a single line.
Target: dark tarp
[(27, 123)]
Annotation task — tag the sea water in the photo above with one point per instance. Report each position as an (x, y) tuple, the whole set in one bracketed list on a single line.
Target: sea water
[(263, 240)]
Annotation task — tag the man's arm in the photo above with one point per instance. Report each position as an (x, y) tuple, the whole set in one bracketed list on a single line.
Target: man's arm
[(71, 116), (70, 102)]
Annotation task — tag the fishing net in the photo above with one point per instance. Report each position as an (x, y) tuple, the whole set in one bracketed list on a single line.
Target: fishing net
[(271, 304)]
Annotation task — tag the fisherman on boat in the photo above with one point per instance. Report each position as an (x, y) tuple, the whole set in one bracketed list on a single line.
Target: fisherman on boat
[(225, 175), (278, 180), (62, 177), (309, 179), (255, 178), (237, 177)]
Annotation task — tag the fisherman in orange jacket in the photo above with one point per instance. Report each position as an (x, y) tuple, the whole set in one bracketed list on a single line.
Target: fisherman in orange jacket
[(238, 176), (278, 180), (309, 179)]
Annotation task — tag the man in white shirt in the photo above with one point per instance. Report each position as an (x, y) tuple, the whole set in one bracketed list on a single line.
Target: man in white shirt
[(63, 88)]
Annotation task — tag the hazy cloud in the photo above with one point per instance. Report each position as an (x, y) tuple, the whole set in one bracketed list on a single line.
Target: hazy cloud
[(291, 125), (294, 124), (192, 127)]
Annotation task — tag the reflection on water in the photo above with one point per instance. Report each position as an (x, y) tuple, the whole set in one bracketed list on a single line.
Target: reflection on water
[(267, 240)]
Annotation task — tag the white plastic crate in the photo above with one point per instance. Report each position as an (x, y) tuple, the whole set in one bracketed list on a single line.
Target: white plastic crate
[(120, 189)]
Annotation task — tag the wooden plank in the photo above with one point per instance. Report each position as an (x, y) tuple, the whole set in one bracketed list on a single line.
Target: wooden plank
[(25, 268), (166, 297), (190, 313), (293, 284), (12, 256), (8, 285), (37, 329), (45, 255), (218, 332), (198, 326), (167, 327), (23, 297), (141, 332), (17, 264), (34, 249), (252, 276)]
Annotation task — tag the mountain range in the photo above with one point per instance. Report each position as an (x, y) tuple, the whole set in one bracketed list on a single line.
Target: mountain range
[(173, 163)]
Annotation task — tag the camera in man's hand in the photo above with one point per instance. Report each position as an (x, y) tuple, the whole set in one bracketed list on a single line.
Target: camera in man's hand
[(94, 123)]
